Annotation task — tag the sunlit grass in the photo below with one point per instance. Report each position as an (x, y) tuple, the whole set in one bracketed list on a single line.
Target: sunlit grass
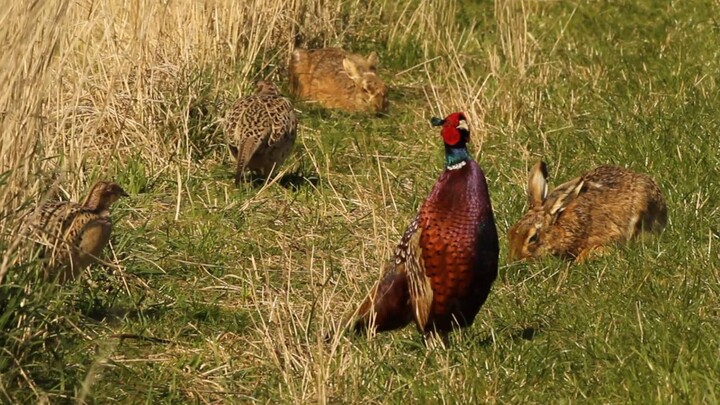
[(220, 294)]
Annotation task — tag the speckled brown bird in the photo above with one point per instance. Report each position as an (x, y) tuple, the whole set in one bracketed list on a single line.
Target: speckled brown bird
[(261, 130), (442, 269), (75, 234)]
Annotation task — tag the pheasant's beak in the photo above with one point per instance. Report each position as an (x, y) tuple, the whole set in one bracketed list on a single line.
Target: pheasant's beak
[(463, 125)]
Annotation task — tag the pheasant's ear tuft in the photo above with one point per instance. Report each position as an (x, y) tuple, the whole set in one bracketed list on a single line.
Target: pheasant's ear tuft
[(436, 122)]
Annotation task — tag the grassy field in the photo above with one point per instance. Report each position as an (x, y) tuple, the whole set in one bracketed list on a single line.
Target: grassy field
[(217, 294)]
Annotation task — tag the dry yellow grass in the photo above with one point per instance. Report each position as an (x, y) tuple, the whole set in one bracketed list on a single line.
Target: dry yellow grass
[(245, 282), (88, 84), (94, 86), (91, 84)]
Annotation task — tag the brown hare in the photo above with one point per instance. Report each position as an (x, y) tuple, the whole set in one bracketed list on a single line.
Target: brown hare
[(577, 218), (261, 130), (338, 79), (74, 235)]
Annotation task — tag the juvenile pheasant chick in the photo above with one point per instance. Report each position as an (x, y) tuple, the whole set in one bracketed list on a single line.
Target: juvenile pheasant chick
[(261, 130), (75, 234)]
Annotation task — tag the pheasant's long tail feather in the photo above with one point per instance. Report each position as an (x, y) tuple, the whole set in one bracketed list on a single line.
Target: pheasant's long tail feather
[(245, 152)]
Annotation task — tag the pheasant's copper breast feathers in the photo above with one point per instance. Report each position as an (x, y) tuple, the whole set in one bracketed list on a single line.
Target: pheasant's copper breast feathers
[(459, 242), (261, 130), (442, 269)]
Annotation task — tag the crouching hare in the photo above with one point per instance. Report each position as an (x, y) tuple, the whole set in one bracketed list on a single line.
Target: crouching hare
[(604, 205), (338, 79)]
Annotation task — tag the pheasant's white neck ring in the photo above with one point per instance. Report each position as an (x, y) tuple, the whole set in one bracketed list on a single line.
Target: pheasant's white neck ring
[(458, 165), (455, 158)]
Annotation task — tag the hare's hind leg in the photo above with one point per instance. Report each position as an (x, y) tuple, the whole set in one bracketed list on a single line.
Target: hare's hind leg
[(656, 217), (653, 220), (634, 226)]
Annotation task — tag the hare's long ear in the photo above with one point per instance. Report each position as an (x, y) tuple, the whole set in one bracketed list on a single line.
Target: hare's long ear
[(351, 69), (537, 185), (562, 196), (373, 60), (298, 56)]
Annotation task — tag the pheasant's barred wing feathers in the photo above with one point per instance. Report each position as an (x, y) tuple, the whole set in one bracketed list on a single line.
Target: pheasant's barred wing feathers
[(250, 128), (235, 117), (395, 299), (263, 129), (67, 224), (283, 120), (54, 220), (419, 284), (408, 258)]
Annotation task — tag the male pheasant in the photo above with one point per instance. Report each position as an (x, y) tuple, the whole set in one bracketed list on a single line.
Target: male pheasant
[(442, 269), (261, 130), (75, 234)]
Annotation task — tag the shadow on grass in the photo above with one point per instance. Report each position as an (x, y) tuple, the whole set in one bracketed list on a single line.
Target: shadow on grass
[(527, 333), (295, 181), (292, 181), (315, 111), (100, 311)]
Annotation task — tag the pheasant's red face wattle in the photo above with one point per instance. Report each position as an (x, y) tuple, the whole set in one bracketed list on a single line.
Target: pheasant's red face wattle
[(453, 127), (450, 135)]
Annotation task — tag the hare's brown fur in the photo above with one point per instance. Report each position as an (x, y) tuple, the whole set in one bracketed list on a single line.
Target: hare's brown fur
[(338, 79), (604, 205), (260, 130)]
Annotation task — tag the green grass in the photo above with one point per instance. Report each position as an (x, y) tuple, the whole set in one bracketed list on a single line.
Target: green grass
[(243, 283)]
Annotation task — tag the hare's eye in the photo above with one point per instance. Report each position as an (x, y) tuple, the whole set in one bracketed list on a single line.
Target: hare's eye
[(533, 239), (367, 86)]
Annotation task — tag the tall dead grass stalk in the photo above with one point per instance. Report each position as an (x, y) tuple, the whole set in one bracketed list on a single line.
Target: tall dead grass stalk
[(90, 84), (31, 34)]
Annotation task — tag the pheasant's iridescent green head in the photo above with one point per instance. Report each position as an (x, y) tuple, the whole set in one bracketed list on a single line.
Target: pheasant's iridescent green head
[(455, 130)]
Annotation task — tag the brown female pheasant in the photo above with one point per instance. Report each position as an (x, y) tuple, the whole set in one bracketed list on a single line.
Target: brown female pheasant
[(75, 234), (261, 130), (442, 269)]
